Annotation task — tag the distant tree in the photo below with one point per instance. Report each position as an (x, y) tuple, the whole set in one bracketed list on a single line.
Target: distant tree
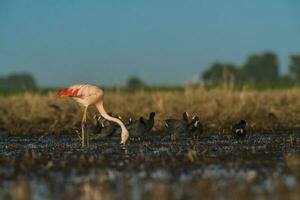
[(260, 68), (295, 67), (18, 82), (220, 73), (135, 83), (285, 80)]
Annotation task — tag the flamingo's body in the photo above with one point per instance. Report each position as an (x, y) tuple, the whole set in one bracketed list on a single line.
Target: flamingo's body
[(89, 94)]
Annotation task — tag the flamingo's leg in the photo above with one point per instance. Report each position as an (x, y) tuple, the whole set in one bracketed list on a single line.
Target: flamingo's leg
[(87, 133), (82, 132), (83, 124)]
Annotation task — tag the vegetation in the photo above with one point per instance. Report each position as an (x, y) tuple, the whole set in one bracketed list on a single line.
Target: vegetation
[(259, 69), (17, 82), (295, 67), (135, 83), (254, 91), (218, 109)]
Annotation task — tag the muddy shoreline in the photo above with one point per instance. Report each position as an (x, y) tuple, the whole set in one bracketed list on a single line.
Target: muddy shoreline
[(56, 166)]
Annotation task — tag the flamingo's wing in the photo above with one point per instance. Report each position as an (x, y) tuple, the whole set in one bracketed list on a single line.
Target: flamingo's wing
[(86, 94), (78, 90), (69, 93)]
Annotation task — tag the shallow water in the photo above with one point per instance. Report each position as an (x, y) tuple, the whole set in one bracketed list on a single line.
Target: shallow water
[(214, 166)]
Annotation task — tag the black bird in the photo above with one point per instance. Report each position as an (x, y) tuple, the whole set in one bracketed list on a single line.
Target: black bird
[(150, 121), (239, 130), (195, 128), (177, 127), (137, 128), (104, 128), (99, 123), (142, 126)]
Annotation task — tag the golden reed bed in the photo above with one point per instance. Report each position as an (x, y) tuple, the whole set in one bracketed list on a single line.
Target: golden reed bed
[(217, 109)]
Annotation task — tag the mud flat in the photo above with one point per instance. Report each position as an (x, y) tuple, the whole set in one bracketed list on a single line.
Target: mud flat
[(212, 167)]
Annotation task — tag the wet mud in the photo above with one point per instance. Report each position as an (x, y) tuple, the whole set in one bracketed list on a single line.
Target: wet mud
[(213, 166)]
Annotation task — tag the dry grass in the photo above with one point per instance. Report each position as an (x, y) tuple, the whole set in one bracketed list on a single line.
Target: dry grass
[(218, 109)]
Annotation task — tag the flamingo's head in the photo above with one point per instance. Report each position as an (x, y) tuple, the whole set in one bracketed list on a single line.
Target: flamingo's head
[(124, 136)]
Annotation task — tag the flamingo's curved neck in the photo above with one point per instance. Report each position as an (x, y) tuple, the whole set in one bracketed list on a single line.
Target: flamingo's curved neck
[(124, 133)]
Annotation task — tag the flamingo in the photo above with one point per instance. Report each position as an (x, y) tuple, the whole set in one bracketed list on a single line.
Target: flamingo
[(90, 94)]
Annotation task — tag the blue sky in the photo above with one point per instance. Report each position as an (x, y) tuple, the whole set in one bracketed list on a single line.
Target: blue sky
[(162, 41)]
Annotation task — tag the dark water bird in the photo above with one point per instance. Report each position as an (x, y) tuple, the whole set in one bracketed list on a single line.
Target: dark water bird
[(239, 129), (95, 127), (105, 128), (177, 127), (141, 126), (195, 128), (99, 124), (150, 121)]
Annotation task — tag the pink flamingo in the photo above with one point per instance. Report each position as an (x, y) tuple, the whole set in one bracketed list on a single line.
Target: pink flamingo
[(89, 94)]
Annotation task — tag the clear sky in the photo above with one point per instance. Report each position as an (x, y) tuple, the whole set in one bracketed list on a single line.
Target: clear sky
[(162, 41)]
